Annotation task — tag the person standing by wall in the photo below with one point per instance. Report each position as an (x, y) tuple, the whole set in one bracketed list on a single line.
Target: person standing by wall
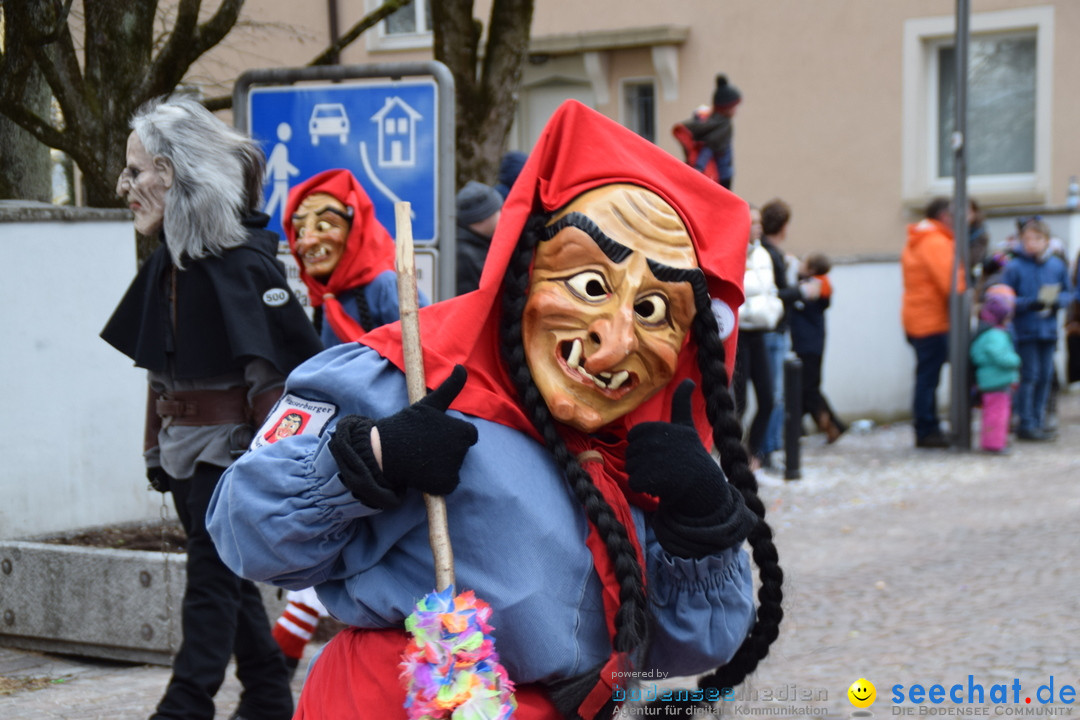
[(758, 316), (478, 209), (775, 218), (1072, 329), (1041, 281), (210, 317), (808, 341), (509, 168), (927, 266), (996, 363)]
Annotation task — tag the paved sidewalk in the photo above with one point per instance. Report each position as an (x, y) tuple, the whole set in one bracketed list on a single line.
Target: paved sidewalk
[(902, 566)]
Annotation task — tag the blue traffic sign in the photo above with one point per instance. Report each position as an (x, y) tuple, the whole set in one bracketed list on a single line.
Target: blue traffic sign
[(385, 131)]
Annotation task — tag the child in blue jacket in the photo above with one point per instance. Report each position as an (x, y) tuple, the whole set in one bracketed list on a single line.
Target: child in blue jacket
[(1041, 282)]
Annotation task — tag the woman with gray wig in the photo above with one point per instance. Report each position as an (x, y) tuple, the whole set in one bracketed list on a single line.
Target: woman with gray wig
[(211, 318), (217, 172)]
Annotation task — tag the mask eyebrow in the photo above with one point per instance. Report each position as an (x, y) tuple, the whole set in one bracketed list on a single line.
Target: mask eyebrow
[(694, 276), (329, 209), (616, 252), (299, 217)]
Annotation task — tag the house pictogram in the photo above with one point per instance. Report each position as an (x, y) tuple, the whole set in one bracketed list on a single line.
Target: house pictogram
[(397, 133)]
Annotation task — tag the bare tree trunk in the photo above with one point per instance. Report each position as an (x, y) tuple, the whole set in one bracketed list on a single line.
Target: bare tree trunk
[(486, 93), (25, 164)]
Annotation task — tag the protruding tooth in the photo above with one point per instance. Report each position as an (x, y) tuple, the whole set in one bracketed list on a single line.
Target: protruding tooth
[(575, 354), (599, 383), (619, 378)]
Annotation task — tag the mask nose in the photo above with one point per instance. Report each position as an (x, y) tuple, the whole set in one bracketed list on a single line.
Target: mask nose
[(306, 235), (611, 339)]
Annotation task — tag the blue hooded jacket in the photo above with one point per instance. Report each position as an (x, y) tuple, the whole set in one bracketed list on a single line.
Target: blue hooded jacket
[(1026, 275)]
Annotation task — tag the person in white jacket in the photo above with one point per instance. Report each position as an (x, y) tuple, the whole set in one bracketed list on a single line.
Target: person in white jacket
[(758, 315)]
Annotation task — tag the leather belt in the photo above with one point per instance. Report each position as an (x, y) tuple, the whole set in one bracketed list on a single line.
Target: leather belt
[(204, 407)]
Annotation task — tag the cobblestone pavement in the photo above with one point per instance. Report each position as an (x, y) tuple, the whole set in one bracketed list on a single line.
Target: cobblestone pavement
[(902, 566)]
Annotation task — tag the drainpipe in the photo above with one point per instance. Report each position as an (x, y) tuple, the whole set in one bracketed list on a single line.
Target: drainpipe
[(332, 14)]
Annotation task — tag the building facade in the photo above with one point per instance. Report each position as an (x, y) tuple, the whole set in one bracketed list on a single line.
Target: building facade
[(846, 113)]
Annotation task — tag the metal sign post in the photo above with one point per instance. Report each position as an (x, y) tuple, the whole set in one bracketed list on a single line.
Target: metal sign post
[(391, 125)]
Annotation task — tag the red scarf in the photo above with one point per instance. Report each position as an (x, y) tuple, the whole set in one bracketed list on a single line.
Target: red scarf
[(580, 150), (369, 249)]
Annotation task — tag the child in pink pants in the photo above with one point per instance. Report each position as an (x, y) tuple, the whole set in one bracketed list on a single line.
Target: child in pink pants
[(996, 366)]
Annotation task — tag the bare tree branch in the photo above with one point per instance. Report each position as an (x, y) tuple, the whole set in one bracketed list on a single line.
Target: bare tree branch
[(186, 43), (214, 30), (37, 126), (224, 102), (59, 24), (177, 46), (59, 64)]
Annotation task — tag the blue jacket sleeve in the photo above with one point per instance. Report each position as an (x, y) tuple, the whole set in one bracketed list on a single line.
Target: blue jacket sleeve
[(280, 513), (703, 608)]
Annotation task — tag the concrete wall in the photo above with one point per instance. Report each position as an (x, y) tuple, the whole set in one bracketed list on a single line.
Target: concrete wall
[(72, 443)]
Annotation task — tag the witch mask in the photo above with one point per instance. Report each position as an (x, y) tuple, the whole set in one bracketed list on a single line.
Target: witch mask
[(610, 303)]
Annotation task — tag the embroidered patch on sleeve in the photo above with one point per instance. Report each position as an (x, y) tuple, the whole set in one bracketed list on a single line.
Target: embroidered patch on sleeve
[(294, 415)]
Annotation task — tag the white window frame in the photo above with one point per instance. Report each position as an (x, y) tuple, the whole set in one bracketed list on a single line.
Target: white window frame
[(647, 80), (922, 39), (381, 40)]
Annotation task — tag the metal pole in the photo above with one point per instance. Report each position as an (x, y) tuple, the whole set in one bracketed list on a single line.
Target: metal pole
[(792, 416), (959, 300)]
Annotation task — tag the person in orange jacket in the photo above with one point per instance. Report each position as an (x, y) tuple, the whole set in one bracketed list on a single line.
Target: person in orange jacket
[(928, 270)]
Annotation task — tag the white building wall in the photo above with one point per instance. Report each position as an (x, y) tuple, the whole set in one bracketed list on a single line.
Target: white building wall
[(71, 447), (868, 366)]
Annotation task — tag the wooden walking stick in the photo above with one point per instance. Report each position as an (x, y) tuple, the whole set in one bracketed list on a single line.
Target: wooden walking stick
[(450, 668), (409, 305)]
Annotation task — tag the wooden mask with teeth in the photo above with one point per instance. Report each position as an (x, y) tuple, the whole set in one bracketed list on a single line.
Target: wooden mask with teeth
[(611, 300)]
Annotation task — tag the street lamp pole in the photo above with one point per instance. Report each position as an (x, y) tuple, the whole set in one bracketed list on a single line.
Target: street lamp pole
[(960, 298)]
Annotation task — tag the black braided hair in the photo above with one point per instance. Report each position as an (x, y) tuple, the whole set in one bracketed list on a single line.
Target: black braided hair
[(727, 434), (632, 619), (363, 309), (366, 321), (631, 623)]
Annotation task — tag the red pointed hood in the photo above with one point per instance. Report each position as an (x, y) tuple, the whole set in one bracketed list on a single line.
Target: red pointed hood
[(579, 149), (369, 248)]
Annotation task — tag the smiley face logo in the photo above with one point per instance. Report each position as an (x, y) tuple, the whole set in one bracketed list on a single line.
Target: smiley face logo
[(862, 693)]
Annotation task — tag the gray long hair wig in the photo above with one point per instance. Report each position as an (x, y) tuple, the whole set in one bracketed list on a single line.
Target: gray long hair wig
[(217, 175)]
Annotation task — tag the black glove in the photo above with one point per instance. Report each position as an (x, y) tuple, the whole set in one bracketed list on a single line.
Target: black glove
[(1037, 306), (422, 448), (699, 513), (159, 479)]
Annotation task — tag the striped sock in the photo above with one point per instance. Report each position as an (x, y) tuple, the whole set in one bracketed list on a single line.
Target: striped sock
[(294, 628)]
